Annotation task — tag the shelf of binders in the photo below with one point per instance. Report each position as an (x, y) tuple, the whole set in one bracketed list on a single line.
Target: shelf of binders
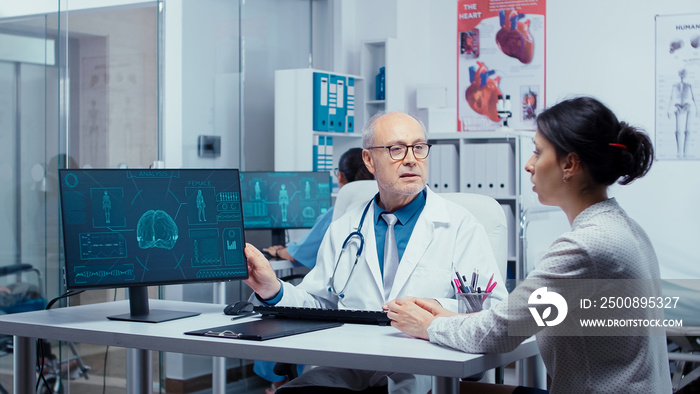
[(315, 116), (476, 162)]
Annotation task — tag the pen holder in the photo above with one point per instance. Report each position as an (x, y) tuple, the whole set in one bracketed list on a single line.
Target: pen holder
[(471, 302)]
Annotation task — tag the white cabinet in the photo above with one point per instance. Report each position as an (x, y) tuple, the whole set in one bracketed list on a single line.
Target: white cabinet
[(295, 135), (294, 112), (376, 54), (487, 163)]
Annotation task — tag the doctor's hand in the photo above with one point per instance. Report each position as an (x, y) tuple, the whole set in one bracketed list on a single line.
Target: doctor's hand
[(413, 315), (261, 277)]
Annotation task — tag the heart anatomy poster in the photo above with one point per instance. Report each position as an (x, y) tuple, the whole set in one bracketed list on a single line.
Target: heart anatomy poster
[(677, 87), (501, 52)]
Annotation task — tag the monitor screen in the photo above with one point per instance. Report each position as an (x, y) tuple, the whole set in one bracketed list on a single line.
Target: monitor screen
[(137, 228), (284, 200)]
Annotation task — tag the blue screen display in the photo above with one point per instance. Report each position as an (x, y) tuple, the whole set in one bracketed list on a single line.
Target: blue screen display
[(151, 227), (281, 200)]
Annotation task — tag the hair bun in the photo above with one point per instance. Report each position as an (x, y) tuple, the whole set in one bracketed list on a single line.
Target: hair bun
[(636, 160)]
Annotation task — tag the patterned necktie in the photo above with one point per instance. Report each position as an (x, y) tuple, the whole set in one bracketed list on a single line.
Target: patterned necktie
[(391, 252)]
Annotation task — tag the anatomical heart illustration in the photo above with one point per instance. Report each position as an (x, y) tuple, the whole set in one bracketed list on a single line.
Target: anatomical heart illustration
[(514, 38), (482, 94), (500, 52)]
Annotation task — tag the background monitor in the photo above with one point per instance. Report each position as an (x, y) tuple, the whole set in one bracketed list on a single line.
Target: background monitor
[(284, 200), (138, 228)]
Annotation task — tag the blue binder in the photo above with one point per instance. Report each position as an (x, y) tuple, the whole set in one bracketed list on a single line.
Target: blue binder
[(319, 153), (350, 105), (328, 158), (336, 103), (341, 105), (320, 105)]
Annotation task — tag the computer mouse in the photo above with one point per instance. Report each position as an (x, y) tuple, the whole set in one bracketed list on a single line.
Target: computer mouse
[(238, 308)]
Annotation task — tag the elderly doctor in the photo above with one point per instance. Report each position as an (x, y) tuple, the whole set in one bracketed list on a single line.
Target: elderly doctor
[(432, 238)]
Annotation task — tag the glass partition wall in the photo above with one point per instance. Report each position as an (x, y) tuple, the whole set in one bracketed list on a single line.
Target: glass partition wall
[(91, 84), (29, 158)]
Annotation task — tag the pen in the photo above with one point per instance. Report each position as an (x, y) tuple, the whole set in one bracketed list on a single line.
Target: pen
[(461, 283), (475, 278), (490, 281), (491, 287), (457, 287)]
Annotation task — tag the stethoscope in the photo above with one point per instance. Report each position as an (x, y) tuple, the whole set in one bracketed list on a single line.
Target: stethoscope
[(357, 233)]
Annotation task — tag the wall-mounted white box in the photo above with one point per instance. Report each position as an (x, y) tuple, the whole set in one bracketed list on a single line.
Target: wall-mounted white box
[(439, 120)]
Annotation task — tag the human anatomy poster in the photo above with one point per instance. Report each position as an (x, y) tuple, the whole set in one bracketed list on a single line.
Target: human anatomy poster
[(501, 52), (677, 87)]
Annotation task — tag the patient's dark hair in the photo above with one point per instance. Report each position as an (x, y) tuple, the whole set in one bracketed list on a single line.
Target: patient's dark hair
[(608, 149), (353, 167)]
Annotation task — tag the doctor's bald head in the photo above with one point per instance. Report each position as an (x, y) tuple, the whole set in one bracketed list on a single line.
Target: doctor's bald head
[(370, 128), (396, 153)]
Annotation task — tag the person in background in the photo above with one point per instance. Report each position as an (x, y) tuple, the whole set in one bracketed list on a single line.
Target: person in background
[(350, 168), (432, 237), (580, 149)]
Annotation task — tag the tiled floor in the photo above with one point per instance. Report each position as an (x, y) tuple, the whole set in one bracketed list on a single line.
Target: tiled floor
[(115, 383), (115, 368)]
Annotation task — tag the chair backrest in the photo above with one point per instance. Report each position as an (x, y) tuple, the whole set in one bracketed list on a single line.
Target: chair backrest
[(486, 210), (353, 193), (490, 214)]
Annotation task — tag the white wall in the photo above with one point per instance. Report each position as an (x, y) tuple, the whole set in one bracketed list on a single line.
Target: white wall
[(599, 48), (607, 50)]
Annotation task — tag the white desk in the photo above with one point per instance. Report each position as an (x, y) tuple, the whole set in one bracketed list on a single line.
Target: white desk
[(349, 346), (284, 264)]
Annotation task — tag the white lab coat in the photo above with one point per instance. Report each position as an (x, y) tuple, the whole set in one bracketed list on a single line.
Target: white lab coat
[(446, 238)]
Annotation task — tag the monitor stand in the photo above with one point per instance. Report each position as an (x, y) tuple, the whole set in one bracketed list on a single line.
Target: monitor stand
[(279, 237), (138, 305)]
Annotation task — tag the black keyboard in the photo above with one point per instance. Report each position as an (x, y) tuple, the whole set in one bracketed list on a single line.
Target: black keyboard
[(378, 318)]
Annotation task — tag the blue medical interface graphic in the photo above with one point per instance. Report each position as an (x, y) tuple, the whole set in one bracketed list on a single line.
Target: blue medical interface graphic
[(150, 227)]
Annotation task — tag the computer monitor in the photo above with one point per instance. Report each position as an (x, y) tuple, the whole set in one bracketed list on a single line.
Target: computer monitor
[(279, 201), (137, 227)]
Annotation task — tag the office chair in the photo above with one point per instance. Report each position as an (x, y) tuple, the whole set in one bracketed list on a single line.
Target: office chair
[(684, 353), (490, 214), (683, 342), (354, 193)]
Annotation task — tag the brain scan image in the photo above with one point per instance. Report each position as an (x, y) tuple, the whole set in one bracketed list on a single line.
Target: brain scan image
[(156, 229)]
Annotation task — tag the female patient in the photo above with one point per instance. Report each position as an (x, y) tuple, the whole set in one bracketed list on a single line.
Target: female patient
[(580, 149)]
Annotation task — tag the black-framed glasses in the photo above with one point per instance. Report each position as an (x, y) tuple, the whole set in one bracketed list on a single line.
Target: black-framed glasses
[(399, 151), (335, 172)]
